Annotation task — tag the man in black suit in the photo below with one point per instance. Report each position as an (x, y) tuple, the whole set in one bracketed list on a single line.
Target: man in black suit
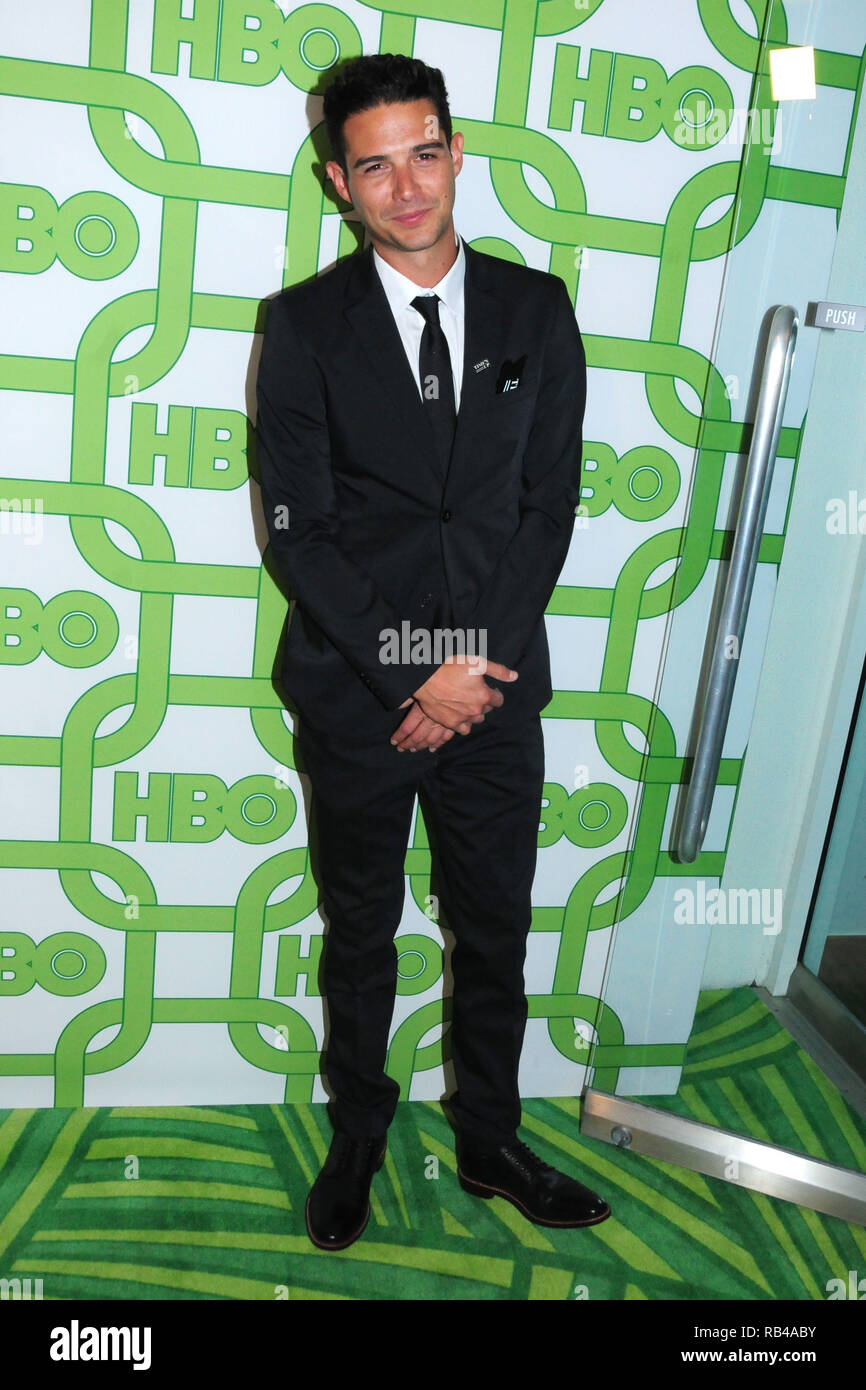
[(420, 409)]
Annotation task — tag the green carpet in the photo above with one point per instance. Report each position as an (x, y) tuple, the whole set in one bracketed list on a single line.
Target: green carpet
[(216, 1210)]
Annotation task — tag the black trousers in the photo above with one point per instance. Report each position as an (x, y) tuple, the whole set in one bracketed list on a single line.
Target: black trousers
[(481, 796)]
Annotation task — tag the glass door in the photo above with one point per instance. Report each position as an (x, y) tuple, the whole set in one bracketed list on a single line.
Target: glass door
[(834, 950), (777, 230)]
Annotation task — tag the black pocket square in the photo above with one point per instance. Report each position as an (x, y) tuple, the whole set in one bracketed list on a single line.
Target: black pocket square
[(509, 375)]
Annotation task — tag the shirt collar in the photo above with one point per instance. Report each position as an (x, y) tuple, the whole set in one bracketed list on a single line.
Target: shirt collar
[(401, 290)]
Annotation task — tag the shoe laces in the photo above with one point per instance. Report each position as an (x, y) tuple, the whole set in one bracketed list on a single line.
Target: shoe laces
[(531, 1157)]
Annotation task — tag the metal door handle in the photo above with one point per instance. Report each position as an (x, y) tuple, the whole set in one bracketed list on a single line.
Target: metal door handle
[(734, 608)]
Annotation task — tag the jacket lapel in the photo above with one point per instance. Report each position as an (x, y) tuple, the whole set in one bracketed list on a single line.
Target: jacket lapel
[(381, 350), (368, 313), (483, 335)]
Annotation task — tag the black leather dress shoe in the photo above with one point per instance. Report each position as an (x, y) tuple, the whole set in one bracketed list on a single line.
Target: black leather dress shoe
[(338, 1207), (543, 1194)]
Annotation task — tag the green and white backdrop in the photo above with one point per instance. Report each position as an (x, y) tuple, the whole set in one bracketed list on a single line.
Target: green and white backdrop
[(162, 174)]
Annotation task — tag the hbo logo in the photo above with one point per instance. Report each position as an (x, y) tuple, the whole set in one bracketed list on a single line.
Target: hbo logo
[(74, 629), (196, 807), (65, 963), (94, 235)]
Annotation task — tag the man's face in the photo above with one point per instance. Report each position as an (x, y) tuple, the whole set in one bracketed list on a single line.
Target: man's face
[(401, 174)]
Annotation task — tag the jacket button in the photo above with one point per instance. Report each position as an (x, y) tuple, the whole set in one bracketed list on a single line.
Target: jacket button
[(446, 515), (428, 598)]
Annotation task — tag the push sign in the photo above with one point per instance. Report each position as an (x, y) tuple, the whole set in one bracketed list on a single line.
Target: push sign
[(850, 316)]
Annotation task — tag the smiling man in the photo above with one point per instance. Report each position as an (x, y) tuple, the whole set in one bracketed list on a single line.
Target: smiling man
[(420, 409)]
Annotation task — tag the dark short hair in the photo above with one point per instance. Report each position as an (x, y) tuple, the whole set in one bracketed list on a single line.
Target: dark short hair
[(375, 78)]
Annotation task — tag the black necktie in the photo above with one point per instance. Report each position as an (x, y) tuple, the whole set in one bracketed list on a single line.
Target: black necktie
[(437, 383)]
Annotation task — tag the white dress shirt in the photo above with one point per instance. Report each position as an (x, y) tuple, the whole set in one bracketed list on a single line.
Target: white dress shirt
[(410, 324)]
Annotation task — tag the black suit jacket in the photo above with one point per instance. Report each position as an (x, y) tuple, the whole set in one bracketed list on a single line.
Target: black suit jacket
[(364, 525)]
